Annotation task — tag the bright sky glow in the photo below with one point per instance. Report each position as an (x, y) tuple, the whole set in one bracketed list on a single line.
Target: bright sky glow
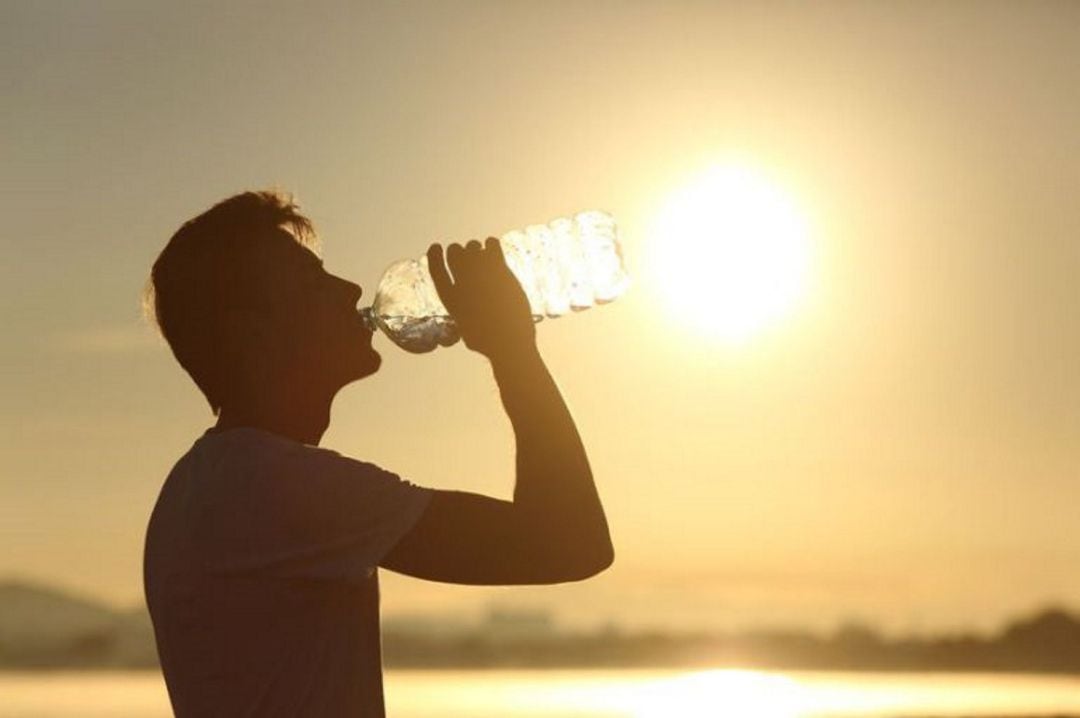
[(731, 253)]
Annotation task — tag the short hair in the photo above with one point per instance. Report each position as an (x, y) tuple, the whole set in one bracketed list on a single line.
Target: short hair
[(202, 272)]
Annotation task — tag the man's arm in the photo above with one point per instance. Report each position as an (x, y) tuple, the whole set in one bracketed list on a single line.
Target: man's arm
[(555, 529)]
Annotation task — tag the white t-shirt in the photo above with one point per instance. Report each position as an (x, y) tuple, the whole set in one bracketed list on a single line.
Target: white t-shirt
[(260, 574)]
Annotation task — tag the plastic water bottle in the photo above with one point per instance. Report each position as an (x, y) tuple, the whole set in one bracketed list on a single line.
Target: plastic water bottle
[(567, 265)]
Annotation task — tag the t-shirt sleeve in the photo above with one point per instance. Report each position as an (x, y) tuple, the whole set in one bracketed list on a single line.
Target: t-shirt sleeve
[(296, 511)]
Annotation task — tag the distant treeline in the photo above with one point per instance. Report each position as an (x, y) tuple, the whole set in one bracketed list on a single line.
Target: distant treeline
[(1046, 642), (44, 629)]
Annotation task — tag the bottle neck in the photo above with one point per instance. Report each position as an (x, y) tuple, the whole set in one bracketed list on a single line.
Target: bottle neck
[(368, 315)]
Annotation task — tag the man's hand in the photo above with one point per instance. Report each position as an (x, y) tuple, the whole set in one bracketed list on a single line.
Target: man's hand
[(484, 298)]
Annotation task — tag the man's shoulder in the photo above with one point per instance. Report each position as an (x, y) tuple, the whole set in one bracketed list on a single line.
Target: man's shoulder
[(248, 453), (242, 444), (248, 503)]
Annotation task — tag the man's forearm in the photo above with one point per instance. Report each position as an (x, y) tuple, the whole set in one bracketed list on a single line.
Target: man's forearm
[(554, 481)]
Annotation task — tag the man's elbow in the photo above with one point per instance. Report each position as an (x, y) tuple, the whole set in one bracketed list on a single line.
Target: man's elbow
[(568, 554), (604, 559), (590, 564)]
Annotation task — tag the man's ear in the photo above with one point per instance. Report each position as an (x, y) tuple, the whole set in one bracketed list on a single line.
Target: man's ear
[(244, 330)]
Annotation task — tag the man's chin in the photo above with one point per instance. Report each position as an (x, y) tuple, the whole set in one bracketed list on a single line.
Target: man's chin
[(358, 363), (369, 364)]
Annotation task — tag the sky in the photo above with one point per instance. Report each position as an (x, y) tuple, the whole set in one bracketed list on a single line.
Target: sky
[(900, 449)]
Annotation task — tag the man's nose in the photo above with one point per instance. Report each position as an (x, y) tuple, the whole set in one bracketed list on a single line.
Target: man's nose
[(349, 290)]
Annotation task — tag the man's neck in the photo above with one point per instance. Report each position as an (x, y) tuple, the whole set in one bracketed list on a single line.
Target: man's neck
[(303, 421)]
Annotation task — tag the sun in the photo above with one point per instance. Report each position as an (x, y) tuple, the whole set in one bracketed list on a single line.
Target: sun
[(730, 252)]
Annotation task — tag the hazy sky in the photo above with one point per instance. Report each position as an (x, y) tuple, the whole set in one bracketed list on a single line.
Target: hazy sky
[(904, 448)]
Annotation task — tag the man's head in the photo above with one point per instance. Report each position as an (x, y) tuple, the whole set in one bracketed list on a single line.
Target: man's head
[(240, 294)]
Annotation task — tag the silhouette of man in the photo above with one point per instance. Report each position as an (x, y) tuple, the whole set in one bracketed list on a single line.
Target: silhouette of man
[(262, 551)]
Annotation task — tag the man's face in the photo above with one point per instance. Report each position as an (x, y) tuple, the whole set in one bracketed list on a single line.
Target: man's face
[(313, 324)]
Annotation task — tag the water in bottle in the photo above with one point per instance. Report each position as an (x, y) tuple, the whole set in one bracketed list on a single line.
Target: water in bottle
[(567, 265)]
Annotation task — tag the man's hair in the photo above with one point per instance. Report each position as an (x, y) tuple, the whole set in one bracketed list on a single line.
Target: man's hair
[(204, 271)]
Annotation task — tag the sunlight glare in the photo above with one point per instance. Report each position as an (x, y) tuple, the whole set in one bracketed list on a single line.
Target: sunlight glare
[(728, 692), (704, 694), (731, 253)]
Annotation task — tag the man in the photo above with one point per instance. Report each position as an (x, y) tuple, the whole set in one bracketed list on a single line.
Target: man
[(262, 551)]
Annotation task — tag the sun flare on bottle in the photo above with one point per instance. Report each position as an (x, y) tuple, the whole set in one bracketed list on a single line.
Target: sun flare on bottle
[(731, 253)]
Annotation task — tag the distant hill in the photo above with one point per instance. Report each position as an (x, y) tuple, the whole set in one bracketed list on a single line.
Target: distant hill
[(42, 627)]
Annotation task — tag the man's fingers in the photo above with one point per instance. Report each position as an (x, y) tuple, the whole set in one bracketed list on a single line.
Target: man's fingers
[(454, 253), (494, 249), (439, 275), (464, 262), (460, 271)]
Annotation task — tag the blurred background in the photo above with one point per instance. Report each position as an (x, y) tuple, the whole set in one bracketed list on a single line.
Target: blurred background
[(857, 420)]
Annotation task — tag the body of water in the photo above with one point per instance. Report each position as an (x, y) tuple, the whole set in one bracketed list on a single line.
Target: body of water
[(600, 694)]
